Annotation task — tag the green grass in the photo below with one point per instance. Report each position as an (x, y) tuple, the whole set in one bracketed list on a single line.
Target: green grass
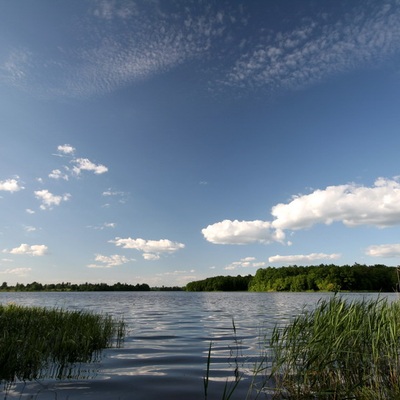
[(340, 350), (36, 342)]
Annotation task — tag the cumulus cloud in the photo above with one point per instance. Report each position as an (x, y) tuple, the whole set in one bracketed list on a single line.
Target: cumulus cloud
[(300, 258), (109, 261), (83, 164), (57, 174), (350, 204), (242, 232), (34, 250), (384, 250), (152, 249), (49, 200), (66, 149), (10, 185)]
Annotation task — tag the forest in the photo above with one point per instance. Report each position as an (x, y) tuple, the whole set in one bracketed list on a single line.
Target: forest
[(333, 278), (220, 284), (73, 287)]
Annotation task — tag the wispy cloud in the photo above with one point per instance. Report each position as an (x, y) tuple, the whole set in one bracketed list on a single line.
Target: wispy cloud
[(384, 250), (320, 48), (57, 174), (151, 249), (301, 258), (33, 250), (126, 42), (28, 228), (16, 271), (49, 200), (247, 262)]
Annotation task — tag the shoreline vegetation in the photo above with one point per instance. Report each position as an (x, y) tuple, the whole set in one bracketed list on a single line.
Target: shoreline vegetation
[(314, 278), (340, 350), (38, 342)]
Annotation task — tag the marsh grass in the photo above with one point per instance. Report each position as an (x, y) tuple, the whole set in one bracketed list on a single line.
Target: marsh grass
[(340, 350), (39, 343)]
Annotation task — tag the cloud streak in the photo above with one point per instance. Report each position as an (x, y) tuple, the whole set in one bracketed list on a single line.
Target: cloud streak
[(130, 42), (303, 258), (384, 250)]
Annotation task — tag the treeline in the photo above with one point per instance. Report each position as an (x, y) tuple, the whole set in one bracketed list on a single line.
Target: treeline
[(72, 287), (374, 278), (220, 283), (377, 278)]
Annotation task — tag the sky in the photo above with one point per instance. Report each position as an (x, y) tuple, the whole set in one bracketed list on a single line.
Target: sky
[(163, 142)]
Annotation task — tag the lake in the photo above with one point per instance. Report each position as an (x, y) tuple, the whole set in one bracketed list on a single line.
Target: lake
[(168, 336)]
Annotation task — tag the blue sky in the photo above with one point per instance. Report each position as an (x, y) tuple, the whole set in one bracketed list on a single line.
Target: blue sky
[(170, 141)]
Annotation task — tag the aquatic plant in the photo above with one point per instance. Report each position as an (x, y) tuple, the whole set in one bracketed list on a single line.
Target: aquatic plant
[(37, 342), (340, 350)]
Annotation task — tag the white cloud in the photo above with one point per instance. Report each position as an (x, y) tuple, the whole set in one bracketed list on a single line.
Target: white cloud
[(57, 174), (151, 248), (104, 226), (66, 149), (16, 271), (29, 228), (29, 211), (109, 261), (10, 185), (299, 258), (83, 164), (150, 256), (34, 250), (49, 200), (350, 204), (110, 192), (384, 250), (247, 262), (319, 48), (132, 41), (242, 232)]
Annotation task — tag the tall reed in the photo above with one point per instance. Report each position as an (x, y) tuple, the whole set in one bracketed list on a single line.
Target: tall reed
[(36, 342), (340, 350)]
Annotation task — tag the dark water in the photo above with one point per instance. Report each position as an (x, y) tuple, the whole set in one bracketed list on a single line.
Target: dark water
[(167, 342)]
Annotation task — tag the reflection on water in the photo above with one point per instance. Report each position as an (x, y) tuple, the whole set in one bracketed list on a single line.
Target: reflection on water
[(167, 341)]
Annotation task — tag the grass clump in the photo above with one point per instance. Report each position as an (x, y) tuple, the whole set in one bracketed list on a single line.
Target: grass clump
[(340, 350), (36, 342)]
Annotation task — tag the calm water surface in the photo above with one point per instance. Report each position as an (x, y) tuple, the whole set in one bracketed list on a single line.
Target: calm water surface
[(167, 341)]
